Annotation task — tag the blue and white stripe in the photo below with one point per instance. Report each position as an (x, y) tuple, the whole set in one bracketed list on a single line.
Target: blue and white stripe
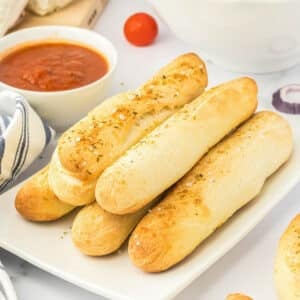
[(23, 136)]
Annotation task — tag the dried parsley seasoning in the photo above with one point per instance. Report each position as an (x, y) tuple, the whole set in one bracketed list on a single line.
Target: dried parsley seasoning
[(199, 176)]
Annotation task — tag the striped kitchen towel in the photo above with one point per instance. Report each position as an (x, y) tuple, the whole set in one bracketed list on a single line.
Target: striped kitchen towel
[(23, 136), (7, 291)]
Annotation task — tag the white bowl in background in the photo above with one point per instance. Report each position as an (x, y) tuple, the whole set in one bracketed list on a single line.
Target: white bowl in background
[(63, 108), (241, 35)]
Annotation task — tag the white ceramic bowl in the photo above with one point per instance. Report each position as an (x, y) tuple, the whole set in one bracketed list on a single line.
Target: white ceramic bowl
[(63, 108), (241, 35)]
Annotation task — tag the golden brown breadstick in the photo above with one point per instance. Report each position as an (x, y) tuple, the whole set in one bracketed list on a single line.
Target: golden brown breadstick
[(35, 201), (227, 178), (163, 156), (97, 232), (96, 141)]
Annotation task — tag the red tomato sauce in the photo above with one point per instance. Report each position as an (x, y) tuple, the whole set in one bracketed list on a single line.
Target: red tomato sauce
[(52, 67)]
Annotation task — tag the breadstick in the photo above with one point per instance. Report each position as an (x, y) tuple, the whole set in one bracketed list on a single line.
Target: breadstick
[(227, 178), (168, 152), (35, 201), (96, 141)]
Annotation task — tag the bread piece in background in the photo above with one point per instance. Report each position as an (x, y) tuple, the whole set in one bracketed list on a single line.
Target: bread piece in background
[(96, 232), (238, 297), (80, 13), (35, 201), (287, 262), (223, 181), (44, 7), (168, 152), (10, 13), (96, 141)]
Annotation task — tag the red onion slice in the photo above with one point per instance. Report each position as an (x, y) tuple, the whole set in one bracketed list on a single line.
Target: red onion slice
[(282, 101)]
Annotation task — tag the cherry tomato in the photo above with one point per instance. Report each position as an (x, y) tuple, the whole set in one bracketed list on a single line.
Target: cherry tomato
[(140, 29)]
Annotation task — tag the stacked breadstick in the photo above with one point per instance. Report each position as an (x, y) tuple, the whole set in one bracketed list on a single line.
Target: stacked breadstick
[(167, 164)]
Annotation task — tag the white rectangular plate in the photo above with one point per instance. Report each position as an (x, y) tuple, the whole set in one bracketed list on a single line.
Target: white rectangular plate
[(49, 246)]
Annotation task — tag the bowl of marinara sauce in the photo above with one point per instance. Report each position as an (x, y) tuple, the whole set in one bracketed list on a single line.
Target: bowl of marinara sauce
[(63, 72)]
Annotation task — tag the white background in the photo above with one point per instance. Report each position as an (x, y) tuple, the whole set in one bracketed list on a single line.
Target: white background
[(248, 267)]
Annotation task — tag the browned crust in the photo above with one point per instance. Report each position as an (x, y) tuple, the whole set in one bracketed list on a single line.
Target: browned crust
[(186, 216), (208, 118), (96, 232), (92, 144), (35, 201)]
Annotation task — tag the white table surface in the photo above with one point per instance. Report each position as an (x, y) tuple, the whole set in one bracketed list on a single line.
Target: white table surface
[(248, 267)]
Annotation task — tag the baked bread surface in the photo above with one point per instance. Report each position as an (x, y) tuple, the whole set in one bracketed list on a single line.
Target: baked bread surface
[(35, 201), (287, 262), (223, 181), (96, 232), (163, 156), (96, 141)]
